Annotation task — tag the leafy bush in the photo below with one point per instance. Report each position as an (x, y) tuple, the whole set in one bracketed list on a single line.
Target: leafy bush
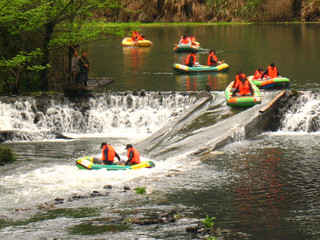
[(6, 154)]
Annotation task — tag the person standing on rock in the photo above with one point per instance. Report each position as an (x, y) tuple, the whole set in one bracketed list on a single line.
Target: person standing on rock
[(84, 64)]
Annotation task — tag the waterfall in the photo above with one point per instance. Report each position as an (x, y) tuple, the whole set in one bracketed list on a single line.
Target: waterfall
[(107, 114), (303, 115)]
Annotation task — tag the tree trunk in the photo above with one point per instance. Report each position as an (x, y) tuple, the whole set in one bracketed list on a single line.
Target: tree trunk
[(16, 86)]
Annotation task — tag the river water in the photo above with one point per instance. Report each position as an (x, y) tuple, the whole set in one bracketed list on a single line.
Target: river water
[(261, 188)]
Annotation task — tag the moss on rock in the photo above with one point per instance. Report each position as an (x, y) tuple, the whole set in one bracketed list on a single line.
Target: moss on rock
[(6, 154)]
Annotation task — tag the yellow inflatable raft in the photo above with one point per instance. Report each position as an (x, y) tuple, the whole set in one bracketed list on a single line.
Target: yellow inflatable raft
[(127, 42)]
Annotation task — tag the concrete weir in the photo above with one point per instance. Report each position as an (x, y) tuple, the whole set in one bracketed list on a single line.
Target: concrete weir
[(151, 143), (245, 124)]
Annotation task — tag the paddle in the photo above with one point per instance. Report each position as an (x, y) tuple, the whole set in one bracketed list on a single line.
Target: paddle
[(133, 43)]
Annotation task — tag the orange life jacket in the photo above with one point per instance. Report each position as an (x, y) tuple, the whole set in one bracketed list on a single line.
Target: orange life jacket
[(237, 80), (188, 59), (209, 63), (185, 41), (111, 153), (257, 75), (192, 39), (136, 155), (272, 73), (140, 38), (244, 88), (134, 35)]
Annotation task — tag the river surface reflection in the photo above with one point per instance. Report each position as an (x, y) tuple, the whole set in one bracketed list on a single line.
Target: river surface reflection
[(293, 48)]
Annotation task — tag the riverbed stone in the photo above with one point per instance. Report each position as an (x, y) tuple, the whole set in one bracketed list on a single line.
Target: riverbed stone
[(107, 187)]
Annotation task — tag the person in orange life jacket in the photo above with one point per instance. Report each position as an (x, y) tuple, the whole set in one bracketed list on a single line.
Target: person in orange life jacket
[(184, 40), (192, 39), (258, 73), (271, 72), (140, 37), (191, 59), (237, 79), (212, 59), (134, 36), (133, 155), (108, 155), (244, 87)]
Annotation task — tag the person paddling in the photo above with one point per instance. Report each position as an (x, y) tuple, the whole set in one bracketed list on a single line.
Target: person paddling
[(212, 59), (140, 37), (192, 39)]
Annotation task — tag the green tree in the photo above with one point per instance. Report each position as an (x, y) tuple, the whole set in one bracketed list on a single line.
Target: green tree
[(33, 31)]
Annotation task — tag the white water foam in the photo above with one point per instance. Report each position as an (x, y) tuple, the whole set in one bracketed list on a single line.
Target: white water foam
[(303, 115), (112, 115), (29, 189)]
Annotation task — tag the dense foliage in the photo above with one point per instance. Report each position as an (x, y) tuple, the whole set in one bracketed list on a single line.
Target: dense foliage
[(36, 36), (219, 10)]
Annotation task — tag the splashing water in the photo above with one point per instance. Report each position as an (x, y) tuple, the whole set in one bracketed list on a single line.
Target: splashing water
[(303, 116), (105, 114)]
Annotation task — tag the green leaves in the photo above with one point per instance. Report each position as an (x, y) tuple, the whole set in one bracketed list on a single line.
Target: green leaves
[(140, 190), (35, 33), (22, 59), (208, 222)]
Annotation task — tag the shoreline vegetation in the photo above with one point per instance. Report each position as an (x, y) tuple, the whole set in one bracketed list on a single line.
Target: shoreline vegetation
[(38, 38), (214, 11)]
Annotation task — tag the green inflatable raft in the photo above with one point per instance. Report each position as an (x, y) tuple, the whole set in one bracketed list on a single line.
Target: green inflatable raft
[(185, 69), (270, 83), (187, 48), (242, 101), (87, 163)]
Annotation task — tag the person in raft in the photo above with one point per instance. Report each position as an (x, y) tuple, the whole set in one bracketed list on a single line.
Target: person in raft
[(140, 37), (258, 73), (192, 39), (108, 155), (271, 72), (134, 36), (184, 40), (212, 59), (133, 155), (244, 87), (191, 60), (237, 80)]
